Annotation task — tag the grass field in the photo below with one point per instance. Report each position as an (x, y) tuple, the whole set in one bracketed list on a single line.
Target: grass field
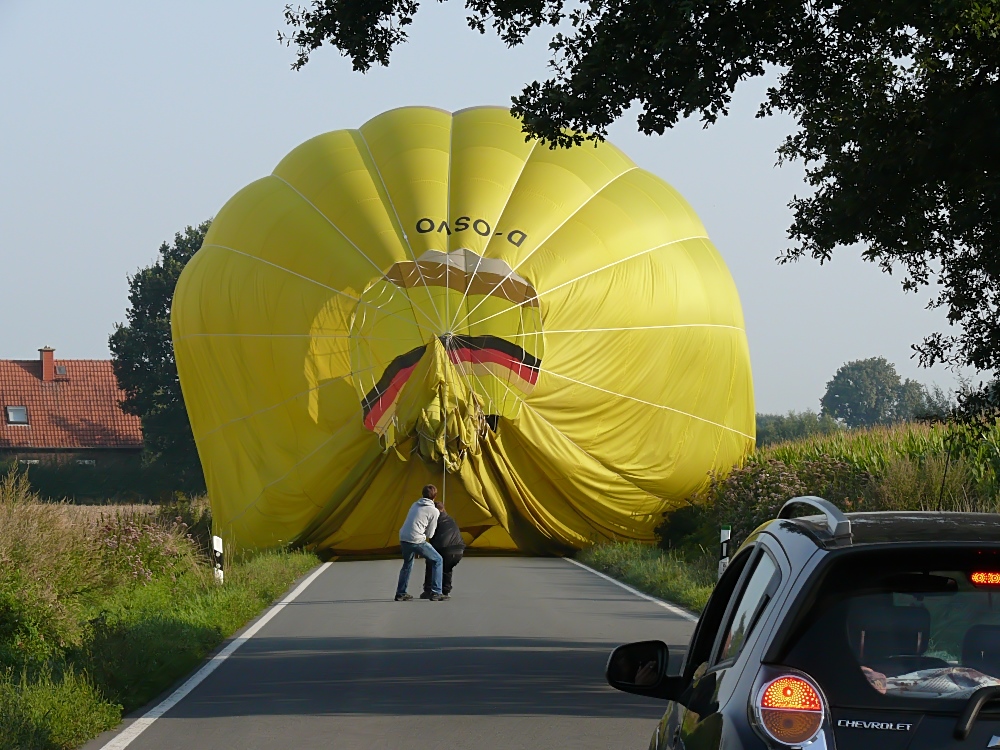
[(103, 607)]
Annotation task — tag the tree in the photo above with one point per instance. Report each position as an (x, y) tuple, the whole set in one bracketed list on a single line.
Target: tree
[(867, 392), (143, 356), (912, 401), (896, 104)]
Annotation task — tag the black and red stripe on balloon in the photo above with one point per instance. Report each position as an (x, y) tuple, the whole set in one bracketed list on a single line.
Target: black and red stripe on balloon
[(490, 351)]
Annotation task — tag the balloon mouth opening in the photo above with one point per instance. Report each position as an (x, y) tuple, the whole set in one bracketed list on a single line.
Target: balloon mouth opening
[(443, 348)]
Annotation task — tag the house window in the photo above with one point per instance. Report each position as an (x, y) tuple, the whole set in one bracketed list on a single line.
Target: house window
[(17, 415), (86, 462), (60, 369)]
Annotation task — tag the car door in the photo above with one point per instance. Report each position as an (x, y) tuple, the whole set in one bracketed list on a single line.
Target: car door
[(728, 624), (700, 648)]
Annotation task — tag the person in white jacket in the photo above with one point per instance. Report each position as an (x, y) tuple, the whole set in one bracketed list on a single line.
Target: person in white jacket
[(417, 529)]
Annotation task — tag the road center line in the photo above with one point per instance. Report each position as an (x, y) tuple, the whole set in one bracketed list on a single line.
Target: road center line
[(143, 723), (666, 605)]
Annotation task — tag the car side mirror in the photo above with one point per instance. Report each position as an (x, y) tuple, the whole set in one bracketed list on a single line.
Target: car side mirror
[(641, 668)]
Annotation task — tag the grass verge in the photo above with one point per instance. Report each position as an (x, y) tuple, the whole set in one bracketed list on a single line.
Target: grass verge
[(152, 635), (663, 574), (142, 641), (99, 613)]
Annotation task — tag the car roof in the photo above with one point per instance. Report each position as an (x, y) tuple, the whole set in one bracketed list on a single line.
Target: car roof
[(927, 526), (898, 527)]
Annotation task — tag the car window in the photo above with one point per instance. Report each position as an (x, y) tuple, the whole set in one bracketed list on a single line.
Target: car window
[(711, 618), (753, 599), (899, 627)]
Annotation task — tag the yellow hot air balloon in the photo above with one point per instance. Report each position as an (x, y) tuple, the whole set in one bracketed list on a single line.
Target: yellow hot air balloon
[(547, 335)]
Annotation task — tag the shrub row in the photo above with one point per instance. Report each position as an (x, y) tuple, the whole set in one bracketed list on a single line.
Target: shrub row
[(902, 467)]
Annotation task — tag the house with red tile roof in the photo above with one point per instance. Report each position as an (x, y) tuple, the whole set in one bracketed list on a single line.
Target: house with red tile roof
[(63, 410)]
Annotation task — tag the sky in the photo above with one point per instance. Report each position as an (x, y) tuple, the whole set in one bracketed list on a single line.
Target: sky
[(122, 123)]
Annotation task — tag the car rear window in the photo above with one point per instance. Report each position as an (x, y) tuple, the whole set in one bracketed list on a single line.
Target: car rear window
[(899, 627)]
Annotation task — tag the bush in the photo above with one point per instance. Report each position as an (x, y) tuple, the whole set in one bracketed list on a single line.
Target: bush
[(751, 495), (114, 479), (689, 531), (903, 467)]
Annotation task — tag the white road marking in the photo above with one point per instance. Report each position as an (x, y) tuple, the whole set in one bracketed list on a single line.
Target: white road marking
[(666, 605), (143, 723)]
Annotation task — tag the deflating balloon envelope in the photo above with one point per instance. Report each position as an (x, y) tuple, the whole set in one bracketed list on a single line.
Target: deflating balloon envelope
[(546, 335)]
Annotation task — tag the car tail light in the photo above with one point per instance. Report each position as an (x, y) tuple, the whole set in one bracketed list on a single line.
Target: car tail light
[(789, 710)]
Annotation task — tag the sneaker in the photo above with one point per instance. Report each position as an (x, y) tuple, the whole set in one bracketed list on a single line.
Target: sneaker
[(439, 597), (426, 595), (403, 597)]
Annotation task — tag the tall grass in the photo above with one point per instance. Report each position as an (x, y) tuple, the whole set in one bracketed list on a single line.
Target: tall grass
[(101, 610), (49, 711), (667, 575)]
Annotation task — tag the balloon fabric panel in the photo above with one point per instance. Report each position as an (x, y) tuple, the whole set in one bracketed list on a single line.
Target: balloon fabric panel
[(547, 335)]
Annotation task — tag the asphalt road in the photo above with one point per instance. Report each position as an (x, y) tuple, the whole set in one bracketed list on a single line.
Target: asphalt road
[(514, 660)]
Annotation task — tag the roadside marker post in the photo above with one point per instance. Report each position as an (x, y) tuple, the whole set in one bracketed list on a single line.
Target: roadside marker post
[(724, 537), (217, 559)]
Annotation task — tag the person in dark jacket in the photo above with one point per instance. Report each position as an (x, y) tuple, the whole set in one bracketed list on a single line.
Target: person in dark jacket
[(447, 540)]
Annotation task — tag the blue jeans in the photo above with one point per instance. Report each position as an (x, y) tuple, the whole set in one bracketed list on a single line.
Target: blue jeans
[(426, 551)]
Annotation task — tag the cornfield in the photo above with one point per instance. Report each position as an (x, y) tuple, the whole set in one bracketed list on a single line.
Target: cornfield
[(899, 467), (876, 449)]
